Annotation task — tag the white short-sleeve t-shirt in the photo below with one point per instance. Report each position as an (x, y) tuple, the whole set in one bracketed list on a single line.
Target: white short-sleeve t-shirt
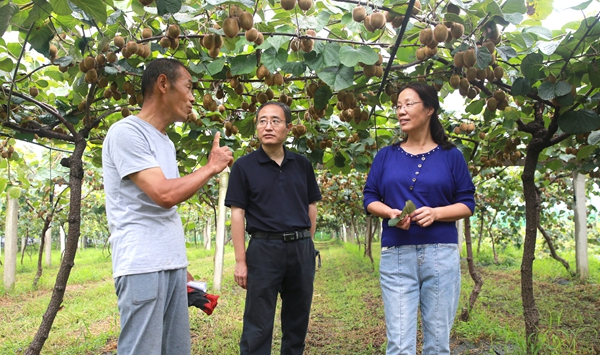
[(144, 236)]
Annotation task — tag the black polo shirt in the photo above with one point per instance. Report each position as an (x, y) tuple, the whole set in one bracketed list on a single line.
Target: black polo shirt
[(275, 198)]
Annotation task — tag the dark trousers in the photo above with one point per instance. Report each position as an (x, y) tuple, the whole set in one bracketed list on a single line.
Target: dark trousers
[(288, 268)]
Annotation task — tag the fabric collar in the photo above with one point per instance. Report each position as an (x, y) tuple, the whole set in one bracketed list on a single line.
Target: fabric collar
[(264, 158)]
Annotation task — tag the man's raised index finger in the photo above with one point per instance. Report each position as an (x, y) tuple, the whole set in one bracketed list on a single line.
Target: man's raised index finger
[(216, 140)]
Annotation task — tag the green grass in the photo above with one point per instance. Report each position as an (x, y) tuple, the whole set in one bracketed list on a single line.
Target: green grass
[(347, 314)]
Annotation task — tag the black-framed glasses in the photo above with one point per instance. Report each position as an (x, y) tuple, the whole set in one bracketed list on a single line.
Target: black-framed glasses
[(274, 122)]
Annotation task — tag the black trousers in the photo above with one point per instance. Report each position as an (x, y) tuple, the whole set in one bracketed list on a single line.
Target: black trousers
[(287, 268)]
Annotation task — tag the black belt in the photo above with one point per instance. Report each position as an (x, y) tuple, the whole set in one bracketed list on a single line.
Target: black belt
[(286, 237)]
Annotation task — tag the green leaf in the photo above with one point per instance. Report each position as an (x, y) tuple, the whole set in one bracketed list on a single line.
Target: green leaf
[(322, 96), (514, 19), (331, 54), (484, 58), (580, 121), (6, 64), (506, 52), (277, 41), (247, 3), (14, 192), (168, 6), (61, 7), (562, 88), (94, 9), (338, 78), (216, 66), (532, 66), (583, 6), (585, 152), (594, 138), (548, 48), (349, 56), (521, 87), (540, 31), (546, 91), (243, 64), (3, 183), (475, 107), (294, 68), (514, 6), (273, 59), (494, 10), (40, 9), (64, 61), (40, 39), (6, 14), (314, 60)]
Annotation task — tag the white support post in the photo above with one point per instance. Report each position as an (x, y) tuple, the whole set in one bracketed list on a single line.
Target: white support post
[(10, 242), (220, 238), (580, 217)]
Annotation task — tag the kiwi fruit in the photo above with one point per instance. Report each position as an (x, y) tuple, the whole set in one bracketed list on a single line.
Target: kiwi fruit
[(214, 52), (132, 47), (459, 59), (269, 80), (173, 31), (440, 32), (499, 95), (455, 81), (470, 58), (397, 21), (288, 4), (103, 82), (498, 72), (53, 51), (89, 62), (416, 7), (164, 42), (359, 13), (33, 91), (146, 32), (472, 93), (119, 41), (278, 79), (481, 74), (307, 44), (369, 70), (430, 52), (262, 72), (471, 73), (377, 20), (231, 27), (368, 26), (246, 20), (208, 41), (426, 35), (491, 104), (311, 33), (305, 5), (464, 84), (174, 43), (490, 46), (260, 39), (457, 30), (295, 44), (251, 34), (91, 76)]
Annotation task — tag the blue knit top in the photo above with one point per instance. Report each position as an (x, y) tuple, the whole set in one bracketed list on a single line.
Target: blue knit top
[(436, 178)]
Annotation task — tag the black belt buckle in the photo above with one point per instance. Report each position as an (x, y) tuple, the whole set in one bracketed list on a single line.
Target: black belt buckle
[(290, 237)]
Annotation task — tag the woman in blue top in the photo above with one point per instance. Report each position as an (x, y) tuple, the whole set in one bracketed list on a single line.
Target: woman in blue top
[(420, 264)]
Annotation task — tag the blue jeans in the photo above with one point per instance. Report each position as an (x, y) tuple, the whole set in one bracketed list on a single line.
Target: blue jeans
[(425, 275)]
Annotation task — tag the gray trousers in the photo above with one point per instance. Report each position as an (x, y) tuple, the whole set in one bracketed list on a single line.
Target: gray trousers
[(154, 313)]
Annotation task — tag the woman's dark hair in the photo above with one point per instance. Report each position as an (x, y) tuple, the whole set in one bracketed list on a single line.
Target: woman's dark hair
[(286, 110), (429, 96), (169, 67)]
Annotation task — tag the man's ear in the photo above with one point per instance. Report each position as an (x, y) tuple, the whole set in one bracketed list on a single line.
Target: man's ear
[(162, 83)]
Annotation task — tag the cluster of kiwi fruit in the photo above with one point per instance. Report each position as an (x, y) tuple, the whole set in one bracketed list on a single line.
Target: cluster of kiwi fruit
[(306, 44), (230, 129), (465, 127), (213, 43), (377, 19), (348, 106), (304, 5), (6, 150), (240, 19), (373, 69), (323, 144), (171, 38), (299, 130)]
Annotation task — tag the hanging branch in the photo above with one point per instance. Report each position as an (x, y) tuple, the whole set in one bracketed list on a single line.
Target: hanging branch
[(552, 248), (12, 82)]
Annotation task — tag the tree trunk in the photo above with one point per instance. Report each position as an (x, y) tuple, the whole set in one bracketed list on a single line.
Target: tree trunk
[(460, 227), (481, 228), (10, 242), (220, 238), (369, 238), (61, 233), (75, 165), (472, 271), (581, 255), (43, 241)]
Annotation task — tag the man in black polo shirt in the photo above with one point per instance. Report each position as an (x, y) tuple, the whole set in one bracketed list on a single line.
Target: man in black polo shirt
[(275, 192)]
